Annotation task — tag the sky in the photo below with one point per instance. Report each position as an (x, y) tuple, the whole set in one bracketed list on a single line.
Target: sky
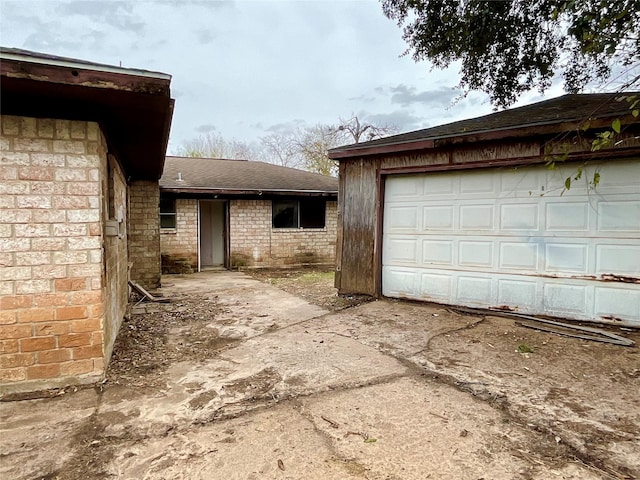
[(245, 69)]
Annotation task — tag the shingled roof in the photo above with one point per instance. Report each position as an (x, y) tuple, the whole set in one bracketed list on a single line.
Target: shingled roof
[(564, 113), (241, 177)]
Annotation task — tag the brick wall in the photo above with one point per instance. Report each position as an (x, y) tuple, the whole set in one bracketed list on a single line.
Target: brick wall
[(181, 242), (115, 273), (52, 281), (144, 233), (255, 243)]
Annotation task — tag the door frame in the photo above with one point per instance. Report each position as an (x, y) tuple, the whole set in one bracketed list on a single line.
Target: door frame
[(225, 233)]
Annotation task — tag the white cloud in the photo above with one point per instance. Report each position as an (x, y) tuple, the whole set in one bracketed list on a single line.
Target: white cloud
[(249, 68)]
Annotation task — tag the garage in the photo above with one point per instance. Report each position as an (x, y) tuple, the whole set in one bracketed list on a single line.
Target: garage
[(515, 239), (476, 212)]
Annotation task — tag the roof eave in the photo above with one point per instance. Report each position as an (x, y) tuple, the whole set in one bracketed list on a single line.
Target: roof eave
[(51, 60), (529, 130), (246, 191), (133, 107)]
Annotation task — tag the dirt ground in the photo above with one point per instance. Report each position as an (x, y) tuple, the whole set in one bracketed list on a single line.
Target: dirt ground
[(275, 376), (315, 285)]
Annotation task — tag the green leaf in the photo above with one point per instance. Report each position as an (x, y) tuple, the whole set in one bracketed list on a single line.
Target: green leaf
[(615, 125), (596, 179), (635, 113), (371, 440), (567, 183), (578, 174)]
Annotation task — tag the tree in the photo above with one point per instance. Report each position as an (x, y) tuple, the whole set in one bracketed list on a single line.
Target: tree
[(302, 147), (213, 145), (313, 146), (308, 147), (512, 46), (281, 149), (352, 130)]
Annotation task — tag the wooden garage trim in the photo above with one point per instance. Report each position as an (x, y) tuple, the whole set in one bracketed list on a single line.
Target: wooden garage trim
[(511, 162)]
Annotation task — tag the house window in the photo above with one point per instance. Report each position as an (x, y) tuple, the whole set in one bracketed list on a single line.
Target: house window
[(167, 213), (299, 213)]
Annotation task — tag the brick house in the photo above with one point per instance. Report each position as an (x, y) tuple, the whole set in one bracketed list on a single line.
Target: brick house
[(236, 213), (82, 146)]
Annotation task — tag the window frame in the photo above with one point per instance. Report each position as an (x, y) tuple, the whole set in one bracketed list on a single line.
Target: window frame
[(304, 216), (170, 213)]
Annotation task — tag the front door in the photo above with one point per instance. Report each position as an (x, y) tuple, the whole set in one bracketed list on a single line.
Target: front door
[(212, 233)]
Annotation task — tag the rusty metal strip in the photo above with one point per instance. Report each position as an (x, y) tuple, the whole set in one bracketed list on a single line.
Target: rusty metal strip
[(605, 337), (599, 334)]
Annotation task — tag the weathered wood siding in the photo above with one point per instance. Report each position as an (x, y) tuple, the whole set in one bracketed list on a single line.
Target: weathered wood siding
[(420, 160), (495, 151), (355, 267)]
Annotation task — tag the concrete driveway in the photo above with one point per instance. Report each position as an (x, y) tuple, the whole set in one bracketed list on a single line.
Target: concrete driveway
[(237, 379)]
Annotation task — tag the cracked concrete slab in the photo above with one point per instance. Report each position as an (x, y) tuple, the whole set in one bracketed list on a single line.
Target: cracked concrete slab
[(290, 362), (238, 379)]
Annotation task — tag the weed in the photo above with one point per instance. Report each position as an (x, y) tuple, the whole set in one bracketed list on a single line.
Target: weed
[(524, 348)]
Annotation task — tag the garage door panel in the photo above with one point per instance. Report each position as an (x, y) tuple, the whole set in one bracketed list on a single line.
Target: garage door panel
[(405, 188), (402, 219), (566, 258), (399, 282), (621, 179), (517, 239), (437, 252), (439, 187), (565, 298), (401, 250), (476, 217), (437, 286), (474, 290), (622, 259), (519, 183), (475, 253), (438, 217), (555, 179), (567, 217), (620, 303), (519, 256), (479, 183), (518, 216), (518, 292), (619, 216)]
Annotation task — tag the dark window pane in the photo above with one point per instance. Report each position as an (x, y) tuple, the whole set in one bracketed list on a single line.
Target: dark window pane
[(168, 221), (167, 212), (285, 214), (167, 205), (312, 213)]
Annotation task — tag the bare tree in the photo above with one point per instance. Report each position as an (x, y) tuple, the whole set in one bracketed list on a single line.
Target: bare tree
[(281, 149), (313, 146), (305, 148), (353, 130), (308, 147), (213, 145)]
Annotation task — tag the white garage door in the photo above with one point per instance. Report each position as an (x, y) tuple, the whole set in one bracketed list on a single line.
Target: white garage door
[(514, 239)]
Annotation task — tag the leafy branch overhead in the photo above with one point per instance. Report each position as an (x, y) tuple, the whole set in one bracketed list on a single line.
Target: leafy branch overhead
[(606, 138), (509, 47)]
